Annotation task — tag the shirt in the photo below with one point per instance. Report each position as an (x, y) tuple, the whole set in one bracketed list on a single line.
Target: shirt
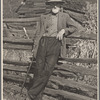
[(51, 29)]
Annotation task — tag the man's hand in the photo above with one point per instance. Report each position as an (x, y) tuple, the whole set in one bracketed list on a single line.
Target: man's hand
[(60, 34)]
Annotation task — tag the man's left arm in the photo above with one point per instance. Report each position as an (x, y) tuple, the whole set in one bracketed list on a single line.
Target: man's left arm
[(70, 26)]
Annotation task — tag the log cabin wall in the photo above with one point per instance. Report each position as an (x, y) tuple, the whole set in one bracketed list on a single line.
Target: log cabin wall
[(74, 77)]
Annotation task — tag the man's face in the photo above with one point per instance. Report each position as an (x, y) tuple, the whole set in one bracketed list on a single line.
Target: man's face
[(55, 8)]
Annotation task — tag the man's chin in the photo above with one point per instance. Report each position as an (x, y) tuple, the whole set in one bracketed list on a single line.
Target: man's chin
[(55, 12)]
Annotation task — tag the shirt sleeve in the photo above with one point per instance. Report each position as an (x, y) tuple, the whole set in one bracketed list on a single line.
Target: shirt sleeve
[(70, 26)]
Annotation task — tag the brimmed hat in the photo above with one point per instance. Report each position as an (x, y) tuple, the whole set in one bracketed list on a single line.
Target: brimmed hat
[(54, 1)]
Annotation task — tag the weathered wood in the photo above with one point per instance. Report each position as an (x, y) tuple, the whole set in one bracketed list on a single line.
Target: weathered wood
[(65, 67), (61, 81), (57, 80), (17, 20), (35, 8), (83, 36), (20, 63), (72, 84), (33, 3), (81, 60), (47, 91), (65, 94), (18, 41), (27, 15), (17, 46), (77, 69), (30, 6), (19, 32), (24, 69), (31, 10), (15, 78), (65, 74), (24, 41), (24, 24), (15, 68)]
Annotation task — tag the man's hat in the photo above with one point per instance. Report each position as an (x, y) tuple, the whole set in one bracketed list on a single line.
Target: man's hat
[(54, 1)]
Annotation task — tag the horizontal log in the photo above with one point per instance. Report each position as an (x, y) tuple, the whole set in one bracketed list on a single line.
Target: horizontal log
[(15, 68), (27, 15), (65, 67), (20, 63), (19, 33), (31, 10), (65, 94), (38, 1), (24, 69), (50, 92), (15, 78), (17, 20), (75, 35), (58, 80), (17, 46), (18, 41), (72, 84), (65, 74), (36, 5), (80, 60), (83, 36), (18, 78), (77, 69), (25, 9), (22, 41), (22, 24)]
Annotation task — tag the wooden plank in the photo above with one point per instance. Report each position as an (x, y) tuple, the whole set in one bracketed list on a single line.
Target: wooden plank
[(36, 5), (77, 69), (31, 15), (18, 41), (20, 63), (24, 24), (65, 94), (24, 69), (19, 34), (83, 36), (17, 20), (35, 14), (80, 60), (15, 78), (64, 67), (19, 29), (35, 8), (17, 46), (15, 68), (72, 84), (27, 15), (57, 80), (65, 74), (31, 10), (64, 82)]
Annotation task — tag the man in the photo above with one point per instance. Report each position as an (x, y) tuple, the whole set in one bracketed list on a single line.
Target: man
[(53, 28)]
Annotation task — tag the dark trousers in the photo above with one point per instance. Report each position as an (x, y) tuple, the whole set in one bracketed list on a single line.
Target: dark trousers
[(46, 58)]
